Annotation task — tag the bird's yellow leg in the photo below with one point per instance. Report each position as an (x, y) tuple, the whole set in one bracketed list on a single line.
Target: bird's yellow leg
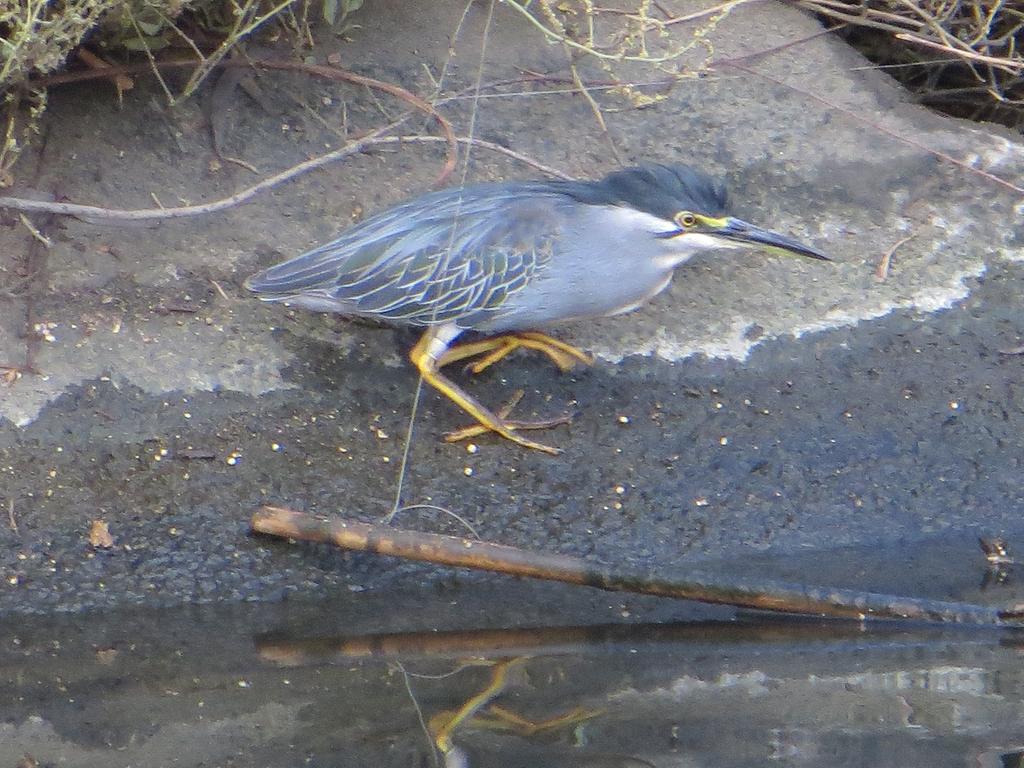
[(498, 718), (426, 361), (468, 349), (443, 724), (493, 349)]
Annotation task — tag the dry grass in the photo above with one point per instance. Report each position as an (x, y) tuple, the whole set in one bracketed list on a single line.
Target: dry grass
[(38, 36), (963, 56), (35, 36)]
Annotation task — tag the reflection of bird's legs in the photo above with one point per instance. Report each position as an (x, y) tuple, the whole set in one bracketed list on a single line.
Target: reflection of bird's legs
[(442, 724), (499, 718), (503, 719), (427, 353), (493, 349)]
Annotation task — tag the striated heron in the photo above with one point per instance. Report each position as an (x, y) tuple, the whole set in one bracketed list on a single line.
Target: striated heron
[(510, 258)]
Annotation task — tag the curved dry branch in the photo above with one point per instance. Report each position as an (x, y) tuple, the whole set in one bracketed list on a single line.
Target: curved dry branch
[(111, 215)]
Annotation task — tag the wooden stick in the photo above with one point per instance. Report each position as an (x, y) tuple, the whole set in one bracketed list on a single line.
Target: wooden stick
[(120, 81), (763, 595)]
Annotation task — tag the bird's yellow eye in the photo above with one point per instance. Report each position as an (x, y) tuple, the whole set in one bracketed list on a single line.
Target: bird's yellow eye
[(685, 219)]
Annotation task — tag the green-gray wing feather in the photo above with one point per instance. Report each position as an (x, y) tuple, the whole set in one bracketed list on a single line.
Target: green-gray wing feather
[(442, 258)]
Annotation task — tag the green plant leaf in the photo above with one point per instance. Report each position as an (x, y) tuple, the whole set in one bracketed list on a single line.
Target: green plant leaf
[(138, 44), (150, 28), (330, 11)]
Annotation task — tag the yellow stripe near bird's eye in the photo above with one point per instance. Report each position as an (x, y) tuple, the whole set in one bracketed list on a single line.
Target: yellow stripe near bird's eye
[(712, 223), (689, 220)]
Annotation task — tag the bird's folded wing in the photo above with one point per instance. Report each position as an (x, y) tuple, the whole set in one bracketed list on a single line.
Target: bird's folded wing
[(425, 264)]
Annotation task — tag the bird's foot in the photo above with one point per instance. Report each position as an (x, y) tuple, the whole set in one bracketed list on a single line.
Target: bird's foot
[(428, 354), (491, 350), (509, 428), (501, 718)]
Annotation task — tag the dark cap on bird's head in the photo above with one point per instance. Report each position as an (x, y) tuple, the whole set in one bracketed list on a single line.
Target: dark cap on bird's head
[(693, 201), (660, 190)]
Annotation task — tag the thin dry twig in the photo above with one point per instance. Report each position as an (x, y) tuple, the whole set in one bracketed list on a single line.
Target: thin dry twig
[(418, 709), (595, 109), (39, 236), (1010, 66), (121, 83), (706, 12), (12, 522), (152, 214), (764, 595), (149, 55), (882, 270), (220, 290), (248, 16), (343, 75), (371, 141), (493, 147), (959, 43), (765, 52), (434, 507)]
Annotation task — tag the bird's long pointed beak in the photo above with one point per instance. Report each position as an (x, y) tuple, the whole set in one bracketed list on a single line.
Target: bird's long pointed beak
[(739, 231)]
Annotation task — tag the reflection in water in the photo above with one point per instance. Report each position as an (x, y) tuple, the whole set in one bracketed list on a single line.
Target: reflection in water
[(316, 687), (481, 712)]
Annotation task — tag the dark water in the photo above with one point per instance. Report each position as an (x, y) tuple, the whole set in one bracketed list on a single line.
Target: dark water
[(559, 677)]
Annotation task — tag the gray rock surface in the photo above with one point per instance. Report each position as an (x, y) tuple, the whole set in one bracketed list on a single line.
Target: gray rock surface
[(760, 405)]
